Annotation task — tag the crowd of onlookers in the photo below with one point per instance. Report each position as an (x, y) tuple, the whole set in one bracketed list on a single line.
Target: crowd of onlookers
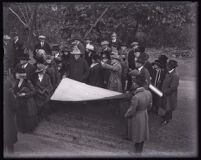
[(114, 65)]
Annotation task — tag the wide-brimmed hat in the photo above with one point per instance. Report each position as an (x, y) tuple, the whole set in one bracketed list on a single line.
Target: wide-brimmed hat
[(76, 51), (41, 37), (104, 43), (172, 64), (6, 37), (90, 47), (40, 68)]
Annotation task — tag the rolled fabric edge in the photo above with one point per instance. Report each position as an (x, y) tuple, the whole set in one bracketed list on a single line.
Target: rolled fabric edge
[(155, 90)]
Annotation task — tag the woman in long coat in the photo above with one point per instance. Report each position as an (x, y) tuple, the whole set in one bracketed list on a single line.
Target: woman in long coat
[(9, 113), (24, 91), (138, 128), (115, 68)]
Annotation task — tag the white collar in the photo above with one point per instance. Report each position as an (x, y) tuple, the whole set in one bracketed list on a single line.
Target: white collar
[(25, 65), (16, 40), (171, 70), (139, 69)]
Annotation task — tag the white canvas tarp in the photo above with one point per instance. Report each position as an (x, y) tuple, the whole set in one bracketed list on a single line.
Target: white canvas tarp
[(71, 90)]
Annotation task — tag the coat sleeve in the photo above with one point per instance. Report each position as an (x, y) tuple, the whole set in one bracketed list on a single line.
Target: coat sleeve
[(173, 85), (32, 89), (111, 67), (132, 109)]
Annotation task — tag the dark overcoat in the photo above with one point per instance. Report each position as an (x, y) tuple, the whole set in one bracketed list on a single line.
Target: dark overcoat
[(95, 77), (9, 113), (138, 127), (79, 70), (18, 51), (44, 90), (29, 69), (145, 73), (26, 117), (169, 89)]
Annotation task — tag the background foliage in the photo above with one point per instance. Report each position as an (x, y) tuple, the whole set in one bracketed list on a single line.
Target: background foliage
[(161, 24)]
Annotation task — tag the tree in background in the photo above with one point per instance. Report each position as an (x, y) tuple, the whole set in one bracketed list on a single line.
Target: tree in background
[(156, 24)]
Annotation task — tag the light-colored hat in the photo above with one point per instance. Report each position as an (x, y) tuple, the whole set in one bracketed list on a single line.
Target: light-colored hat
[(114, 34), (41, 37), (76, 51), (90, 47), (115, 56), (6, 37), (134, 43), (104, 43), (41, 52)]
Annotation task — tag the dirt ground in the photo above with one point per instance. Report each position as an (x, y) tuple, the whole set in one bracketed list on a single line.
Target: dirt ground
[(94, 129)]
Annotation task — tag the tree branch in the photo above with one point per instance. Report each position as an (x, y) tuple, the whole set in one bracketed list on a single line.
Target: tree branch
[(26, 11), (18, 17), (96, 22), (20, 9)]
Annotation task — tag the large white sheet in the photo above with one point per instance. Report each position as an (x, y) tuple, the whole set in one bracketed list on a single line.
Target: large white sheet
[(71, 90)]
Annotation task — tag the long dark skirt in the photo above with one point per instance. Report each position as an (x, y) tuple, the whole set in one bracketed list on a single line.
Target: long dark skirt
[(26, 118)]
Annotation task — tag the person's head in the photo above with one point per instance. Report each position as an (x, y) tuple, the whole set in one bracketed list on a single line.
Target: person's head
[(76, 53), (40, 68), (115, 57), (49, 59), (104, 44), (105, 57), (172, 64), (24, 59), (123, 47), (114, 47), (95, 58), (6, 38), (137, 54), (134, 45), (42, 38), (140, 61), (138, 81), (89, 48), (114, 36)]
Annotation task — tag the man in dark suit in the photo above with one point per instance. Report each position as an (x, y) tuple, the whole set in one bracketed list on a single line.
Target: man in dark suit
[(131, 61), (29, 68), (169, 89), (42, 45), (140, 61), (17, 48)]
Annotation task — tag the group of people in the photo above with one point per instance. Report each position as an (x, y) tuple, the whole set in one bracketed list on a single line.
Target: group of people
[(114, 66)]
